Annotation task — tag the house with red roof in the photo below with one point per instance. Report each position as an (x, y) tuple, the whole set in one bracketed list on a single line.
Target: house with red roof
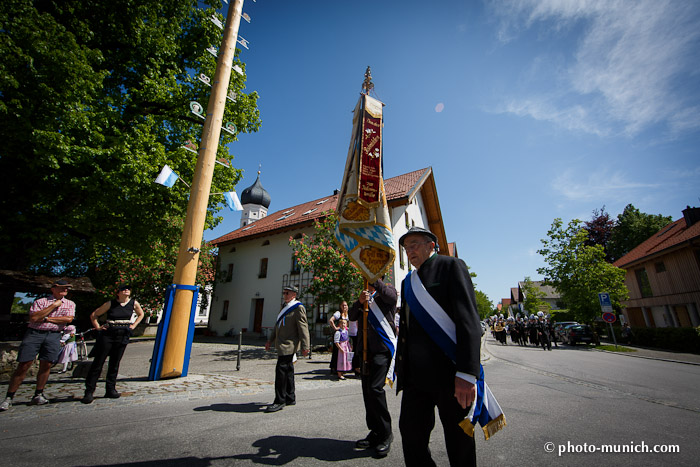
[(663, 276), (256, 260)]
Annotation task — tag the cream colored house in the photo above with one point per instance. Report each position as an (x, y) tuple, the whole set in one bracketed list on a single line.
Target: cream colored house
[(255, 260)]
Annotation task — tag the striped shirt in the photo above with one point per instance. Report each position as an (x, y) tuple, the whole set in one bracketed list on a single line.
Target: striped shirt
[(66, 309)]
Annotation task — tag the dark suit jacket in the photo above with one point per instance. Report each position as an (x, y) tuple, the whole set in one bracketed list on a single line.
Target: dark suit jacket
[(420, 362)]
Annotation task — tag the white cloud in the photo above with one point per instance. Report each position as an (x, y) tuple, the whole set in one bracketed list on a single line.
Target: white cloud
[(598, 186), (634, 66)]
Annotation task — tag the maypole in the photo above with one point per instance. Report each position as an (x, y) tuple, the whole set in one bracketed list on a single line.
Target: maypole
[(176, 340)]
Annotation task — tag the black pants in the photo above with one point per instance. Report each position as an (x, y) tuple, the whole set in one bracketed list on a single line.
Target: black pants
[(334, 360), (417, 420), (376, 411), (284, 380), (110, 343)]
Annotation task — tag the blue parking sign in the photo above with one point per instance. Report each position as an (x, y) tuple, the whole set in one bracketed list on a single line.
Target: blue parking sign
[(605, 302)]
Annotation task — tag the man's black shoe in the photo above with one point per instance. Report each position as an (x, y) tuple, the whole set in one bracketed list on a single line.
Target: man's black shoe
[(291, 403), (112, 395), (274, 408), (87, 398), (366, 443), (384, 447)]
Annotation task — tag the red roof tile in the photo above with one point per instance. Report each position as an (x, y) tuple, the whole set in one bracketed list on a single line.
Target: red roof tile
[(670, 236), (297, 216)]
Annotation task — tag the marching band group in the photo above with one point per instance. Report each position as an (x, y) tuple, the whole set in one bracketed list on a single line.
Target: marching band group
[(535, 330)]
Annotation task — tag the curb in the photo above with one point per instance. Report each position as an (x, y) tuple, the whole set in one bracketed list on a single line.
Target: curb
[(631, 354)]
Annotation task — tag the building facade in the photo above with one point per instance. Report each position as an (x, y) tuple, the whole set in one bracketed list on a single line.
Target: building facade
[(256, 261), (663, 276)]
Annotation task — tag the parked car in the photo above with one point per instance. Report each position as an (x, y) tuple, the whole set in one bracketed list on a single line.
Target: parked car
[(559, 329), (484, 327), (576, 333)]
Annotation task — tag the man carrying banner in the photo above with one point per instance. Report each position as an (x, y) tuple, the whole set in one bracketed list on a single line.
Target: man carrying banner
[(290, 331), (364, 232), (425, 372), (381, 342)]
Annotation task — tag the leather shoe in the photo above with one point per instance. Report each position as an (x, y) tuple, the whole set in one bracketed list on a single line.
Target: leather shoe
[(274, 408), (366, 443), (113, 395), (291, 403), (87, 398), (384, 447)]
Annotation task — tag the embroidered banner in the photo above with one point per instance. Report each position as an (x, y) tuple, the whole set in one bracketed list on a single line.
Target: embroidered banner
[(364, 225)]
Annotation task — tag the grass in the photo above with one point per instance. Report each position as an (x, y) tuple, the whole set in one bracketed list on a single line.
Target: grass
[(612, 348)]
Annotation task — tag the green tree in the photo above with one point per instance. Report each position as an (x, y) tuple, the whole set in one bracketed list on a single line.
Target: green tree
[(483, 304), (95, 100), (632, 228), (579, 271), (533, 298), (151, 276), (335, 278), (20, 307)]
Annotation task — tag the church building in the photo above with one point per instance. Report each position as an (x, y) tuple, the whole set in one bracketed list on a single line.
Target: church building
[(256, 261)]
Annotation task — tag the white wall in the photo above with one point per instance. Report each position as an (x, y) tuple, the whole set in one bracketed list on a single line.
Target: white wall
[(245, 286)]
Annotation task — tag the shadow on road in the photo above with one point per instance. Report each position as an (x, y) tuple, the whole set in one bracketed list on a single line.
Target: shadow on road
[(251, 407), (275, 450), (280, 450)]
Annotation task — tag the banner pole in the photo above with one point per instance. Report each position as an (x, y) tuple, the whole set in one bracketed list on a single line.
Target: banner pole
[(365, 363)]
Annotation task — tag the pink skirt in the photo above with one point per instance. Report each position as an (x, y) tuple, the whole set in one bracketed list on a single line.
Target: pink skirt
[(344, 364)]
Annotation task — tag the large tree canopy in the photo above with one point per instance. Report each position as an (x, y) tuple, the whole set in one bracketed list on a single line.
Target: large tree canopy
[(579, 271), (94, 101), (632, 228)]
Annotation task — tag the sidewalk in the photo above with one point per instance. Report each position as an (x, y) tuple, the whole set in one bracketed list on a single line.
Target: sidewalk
[(212, 374), (656, 354)]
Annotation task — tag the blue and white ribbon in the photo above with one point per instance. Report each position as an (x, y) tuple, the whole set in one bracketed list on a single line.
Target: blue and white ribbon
[(291, 306), (386, 333)]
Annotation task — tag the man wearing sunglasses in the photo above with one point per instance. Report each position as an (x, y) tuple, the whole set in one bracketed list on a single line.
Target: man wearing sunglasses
[(290, 332), (47, 318)]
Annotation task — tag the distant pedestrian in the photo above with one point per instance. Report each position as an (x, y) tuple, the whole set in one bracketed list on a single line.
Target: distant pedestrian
[(112, 339), (626, 333), (69, 351), (289, 333), (333, 323), (341, 341)]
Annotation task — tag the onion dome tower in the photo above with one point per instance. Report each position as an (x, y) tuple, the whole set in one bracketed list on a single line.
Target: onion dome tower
[(255, 200)]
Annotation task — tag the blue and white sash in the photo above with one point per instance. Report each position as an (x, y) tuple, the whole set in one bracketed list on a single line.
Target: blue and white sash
[(291, 306), (386, 333), (485, 410)]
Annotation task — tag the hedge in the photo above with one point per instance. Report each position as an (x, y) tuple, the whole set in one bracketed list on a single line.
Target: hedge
[(678, 339)]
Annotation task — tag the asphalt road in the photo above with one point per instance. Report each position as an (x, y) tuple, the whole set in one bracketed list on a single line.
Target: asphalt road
[(576, 399)]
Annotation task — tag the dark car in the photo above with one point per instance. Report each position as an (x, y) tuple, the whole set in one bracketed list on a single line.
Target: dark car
[(575, 333), (559, 329)]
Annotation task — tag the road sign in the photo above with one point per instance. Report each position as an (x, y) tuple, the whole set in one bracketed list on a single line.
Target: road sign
[(605, 302), (609, 317)]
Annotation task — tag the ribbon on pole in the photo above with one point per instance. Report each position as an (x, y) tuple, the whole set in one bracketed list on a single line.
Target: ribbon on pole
[(363, 230)]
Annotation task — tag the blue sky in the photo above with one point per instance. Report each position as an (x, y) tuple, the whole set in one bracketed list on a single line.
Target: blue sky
[(526, 110)]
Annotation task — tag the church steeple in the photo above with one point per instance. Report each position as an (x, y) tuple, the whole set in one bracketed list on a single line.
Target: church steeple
[(255, 200)]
